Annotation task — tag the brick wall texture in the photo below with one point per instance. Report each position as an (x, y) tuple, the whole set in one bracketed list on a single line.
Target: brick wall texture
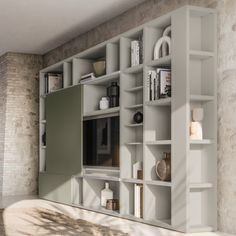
[(19, 104), (19, 123)]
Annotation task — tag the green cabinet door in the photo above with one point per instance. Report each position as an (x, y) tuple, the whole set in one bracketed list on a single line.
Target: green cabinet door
[(64, 131), (55, 188)]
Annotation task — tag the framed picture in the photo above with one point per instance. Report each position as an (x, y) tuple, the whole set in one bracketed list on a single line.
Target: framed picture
[(104, 136)]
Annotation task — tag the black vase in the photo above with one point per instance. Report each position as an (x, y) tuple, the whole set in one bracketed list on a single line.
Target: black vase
[(113, 92), (44, 139), (138, 117)]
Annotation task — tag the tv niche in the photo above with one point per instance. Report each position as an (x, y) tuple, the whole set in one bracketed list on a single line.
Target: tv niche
[(101, 144)]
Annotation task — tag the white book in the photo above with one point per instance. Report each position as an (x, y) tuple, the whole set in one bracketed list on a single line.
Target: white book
[(148, 85), (135, 52)]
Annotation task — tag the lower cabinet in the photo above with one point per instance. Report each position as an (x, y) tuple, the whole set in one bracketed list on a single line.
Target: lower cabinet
[(55, 188)]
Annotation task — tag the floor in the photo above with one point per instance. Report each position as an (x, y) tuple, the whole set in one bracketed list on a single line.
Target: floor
[(133, 228)]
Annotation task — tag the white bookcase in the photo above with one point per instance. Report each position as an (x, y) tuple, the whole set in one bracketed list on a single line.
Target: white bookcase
[(188, 202)]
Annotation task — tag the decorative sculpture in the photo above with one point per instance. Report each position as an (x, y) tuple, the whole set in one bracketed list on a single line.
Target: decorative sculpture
[(163, 45), (196, 125)]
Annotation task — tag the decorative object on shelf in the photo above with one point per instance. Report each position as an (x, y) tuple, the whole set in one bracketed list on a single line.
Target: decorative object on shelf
[(106, 194), (158, 84), (104, 103), (196, 125), (138, 117), (53, 82), (44, 138), (99, 67), (163, 45), (140, 174), (136, 52), (113, 92), (138, 200), (113, 204), (165, 82), (136, 167), (87, 77), (163, 167)]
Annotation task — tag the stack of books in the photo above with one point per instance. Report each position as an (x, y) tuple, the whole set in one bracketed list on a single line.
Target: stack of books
[(138, 200), (136, 52), (53, 82), (158, 84), (87, 77)]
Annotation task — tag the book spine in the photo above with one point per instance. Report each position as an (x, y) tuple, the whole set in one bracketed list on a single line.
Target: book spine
[(148, 86), (153, 75), (157, 87)]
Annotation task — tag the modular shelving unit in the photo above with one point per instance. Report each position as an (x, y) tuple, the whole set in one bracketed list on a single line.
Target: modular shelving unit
[(188, 202)]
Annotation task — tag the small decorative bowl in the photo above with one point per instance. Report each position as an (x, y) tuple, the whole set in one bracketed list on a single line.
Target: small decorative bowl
[(99, 68)]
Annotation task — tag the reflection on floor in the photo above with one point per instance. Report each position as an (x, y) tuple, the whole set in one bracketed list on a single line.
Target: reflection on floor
[(130, 227)]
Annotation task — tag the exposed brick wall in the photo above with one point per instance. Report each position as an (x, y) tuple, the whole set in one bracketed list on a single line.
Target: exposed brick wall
[(3, 70), (20, 108)]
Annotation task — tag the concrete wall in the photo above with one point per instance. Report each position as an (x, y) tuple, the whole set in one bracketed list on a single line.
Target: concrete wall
[(19, 123)]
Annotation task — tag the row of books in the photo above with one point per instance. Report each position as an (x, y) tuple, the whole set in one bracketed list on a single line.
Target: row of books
[(53, 82), (159, 84), (136, 52), (138, 200)]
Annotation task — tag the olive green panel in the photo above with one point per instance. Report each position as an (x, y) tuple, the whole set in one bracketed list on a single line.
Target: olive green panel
[(55, 188), (64, 132)]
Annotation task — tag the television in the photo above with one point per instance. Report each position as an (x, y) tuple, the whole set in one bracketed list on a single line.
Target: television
[(101, 144)]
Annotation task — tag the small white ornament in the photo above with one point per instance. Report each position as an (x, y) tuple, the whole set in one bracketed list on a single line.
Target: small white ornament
[(104, 103), (166, 32), (196, 125), (137, 166), (158, 45)]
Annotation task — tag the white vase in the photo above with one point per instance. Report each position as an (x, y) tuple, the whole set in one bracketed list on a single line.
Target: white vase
[(104, 103), (106, 194)]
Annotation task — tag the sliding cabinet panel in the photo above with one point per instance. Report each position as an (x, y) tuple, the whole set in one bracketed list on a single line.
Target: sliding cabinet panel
[(64, 129)]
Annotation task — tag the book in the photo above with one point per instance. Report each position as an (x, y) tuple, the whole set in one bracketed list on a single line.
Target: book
[(165, 82), (136, 52), (53, 82), (138, 200), (87, 77)]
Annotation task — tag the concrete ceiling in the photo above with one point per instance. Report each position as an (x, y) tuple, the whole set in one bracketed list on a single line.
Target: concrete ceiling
[(37, 26)]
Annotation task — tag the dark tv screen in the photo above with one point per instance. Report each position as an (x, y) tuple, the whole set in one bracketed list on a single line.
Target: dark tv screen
[(101, 142)]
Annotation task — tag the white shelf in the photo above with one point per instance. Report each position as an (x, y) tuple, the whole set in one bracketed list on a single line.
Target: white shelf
[(43, 121), (134, 106), (200, 228), (200, 186), (200, 55), (158, 183), (102, 79), (102, 112), (203, 141), (43, 147), (164, 61), (134, 143), (101, 177), (160, 102), (134, 69), (201, 98), (133, 181), (159, 142), (134, 89), (134, 125)]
